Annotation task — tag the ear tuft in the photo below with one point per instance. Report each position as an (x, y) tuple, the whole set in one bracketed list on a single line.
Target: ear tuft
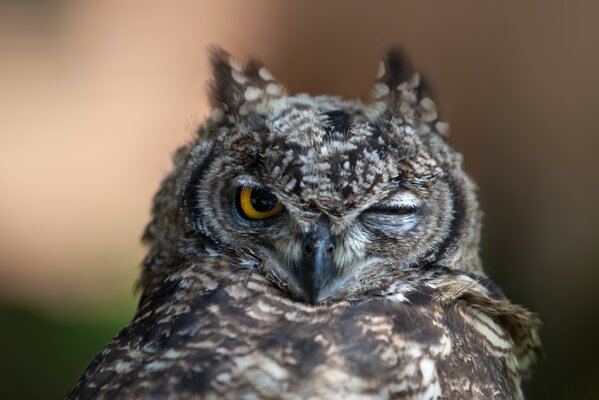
[(402, 92), (238, 88), (397, 68)]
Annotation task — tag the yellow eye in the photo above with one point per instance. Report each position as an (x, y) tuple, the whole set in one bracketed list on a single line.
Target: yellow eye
[(258, 203)]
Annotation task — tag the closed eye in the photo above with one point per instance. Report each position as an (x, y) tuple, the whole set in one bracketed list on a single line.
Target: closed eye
[(392, 210), (391, 218)]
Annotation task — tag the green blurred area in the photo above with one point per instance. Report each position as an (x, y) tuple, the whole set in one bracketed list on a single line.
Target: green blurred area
[(43, 351)]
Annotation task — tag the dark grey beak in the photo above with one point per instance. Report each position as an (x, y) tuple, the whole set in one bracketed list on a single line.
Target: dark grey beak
[(317, 270)]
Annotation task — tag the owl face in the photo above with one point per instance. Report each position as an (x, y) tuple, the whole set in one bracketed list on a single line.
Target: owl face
[(325, 197)]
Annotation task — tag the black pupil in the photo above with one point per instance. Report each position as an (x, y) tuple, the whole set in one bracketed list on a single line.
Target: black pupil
[(263, 200)]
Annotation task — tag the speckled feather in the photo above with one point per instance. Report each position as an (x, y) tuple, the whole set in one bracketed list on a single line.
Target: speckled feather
[(409, 313)]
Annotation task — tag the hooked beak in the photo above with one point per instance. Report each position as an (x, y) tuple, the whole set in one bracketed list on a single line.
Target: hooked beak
[(317, 269)]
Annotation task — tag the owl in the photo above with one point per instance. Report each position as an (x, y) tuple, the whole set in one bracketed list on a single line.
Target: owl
[(314, 247)]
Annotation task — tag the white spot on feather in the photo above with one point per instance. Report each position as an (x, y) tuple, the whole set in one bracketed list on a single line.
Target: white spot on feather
[(262, 306), (415, 81), (174, 354), (122, 366), (427, 368), (265, 364), (234, 64), (252, 93), (273, 89), (445, 348), (156, 366), (397, 298), (428, 104), (291, 184), (442, 128), (265, 74), (380, 90), (224, 377), (239, 77), (381, 70), (432, 392)]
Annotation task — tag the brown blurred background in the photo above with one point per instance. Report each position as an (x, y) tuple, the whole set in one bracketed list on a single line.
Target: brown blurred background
[(95, 97)]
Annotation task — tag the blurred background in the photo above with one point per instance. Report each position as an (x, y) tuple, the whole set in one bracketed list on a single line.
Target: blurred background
[(96, 95)]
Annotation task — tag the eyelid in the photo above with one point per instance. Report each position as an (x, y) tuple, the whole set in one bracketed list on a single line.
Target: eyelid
[(249, 182), (398, 204), (403, 200)]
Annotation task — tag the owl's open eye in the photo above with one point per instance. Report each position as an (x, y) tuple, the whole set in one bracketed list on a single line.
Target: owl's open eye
[(257, 204)]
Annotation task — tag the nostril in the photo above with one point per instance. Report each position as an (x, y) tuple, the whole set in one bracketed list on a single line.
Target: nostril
[(308, 249), (330, 249)]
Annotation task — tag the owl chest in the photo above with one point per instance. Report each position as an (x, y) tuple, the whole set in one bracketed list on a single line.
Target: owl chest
[(262, 344)]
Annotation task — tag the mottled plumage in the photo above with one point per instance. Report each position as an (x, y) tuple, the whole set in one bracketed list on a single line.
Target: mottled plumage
[(350, 269)]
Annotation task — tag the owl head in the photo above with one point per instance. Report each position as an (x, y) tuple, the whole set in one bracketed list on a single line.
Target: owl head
[(327, 198)]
